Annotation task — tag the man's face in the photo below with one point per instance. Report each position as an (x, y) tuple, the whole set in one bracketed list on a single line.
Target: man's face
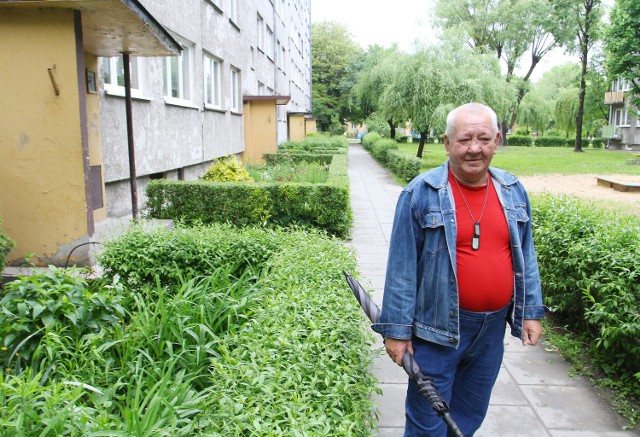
[(472, 147)]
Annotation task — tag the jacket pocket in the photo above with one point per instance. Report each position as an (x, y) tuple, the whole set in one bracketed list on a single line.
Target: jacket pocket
[(432, 224)]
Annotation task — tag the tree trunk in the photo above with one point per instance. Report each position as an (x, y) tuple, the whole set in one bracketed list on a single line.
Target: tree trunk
[(423, 137), (584, 53), (392, 133)]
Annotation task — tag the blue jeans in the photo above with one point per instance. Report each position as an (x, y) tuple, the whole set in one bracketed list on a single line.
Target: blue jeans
[(464, 376)]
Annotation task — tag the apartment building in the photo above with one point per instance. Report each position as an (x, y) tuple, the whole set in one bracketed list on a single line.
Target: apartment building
[(208, 78), (244, 66), (623, 130)]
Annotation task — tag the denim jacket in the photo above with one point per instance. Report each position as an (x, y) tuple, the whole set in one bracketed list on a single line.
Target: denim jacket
[(421, 288)]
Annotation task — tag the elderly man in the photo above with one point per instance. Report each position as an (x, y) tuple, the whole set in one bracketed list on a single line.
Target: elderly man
[(461, 265)]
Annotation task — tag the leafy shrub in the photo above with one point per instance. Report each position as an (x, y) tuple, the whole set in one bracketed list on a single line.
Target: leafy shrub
[(380, 148), (294, 156), (519, 140), (522, 131), (228, 169), (318, 144), (289, 172), (404, 166), (589, 267), (55, 302), (548, 141), (325, 206), (369, 139), (598, 143), (571, 142), (6, 245)]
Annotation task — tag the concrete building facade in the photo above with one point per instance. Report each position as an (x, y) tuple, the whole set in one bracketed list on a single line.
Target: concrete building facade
[(623, 130), (197, 107)]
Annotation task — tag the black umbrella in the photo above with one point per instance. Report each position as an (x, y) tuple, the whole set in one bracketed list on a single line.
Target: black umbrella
[(425, 384)]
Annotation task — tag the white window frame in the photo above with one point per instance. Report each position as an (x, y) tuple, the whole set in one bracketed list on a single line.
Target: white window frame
[(183, 63), (212, 73), (621, 118), (233, 10), (261, 33), (111, 69), (234, 89), (269, 42)]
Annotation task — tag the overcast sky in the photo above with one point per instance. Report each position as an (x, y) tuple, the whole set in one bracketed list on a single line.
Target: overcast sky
[(384, 22)]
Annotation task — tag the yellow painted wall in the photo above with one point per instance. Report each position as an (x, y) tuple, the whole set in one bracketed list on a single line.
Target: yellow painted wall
[(259, 130), (311, 126), (296, 127), (42, 194)]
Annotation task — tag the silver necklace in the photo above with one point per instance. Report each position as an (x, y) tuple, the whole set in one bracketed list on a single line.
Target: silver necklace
[(475, 241)]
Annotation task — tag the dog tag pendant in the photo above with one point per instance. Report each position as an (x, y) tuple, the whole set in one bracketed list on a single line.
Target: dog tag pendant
[(475, 241)]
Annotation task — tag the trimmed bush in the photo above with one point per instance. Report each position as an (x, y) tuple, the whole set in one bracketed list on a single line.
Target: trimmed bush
[(550, 142), (318, 143), (369, 139), (519, 140), (598, 143), (280, 350), (227, 169), (323, 206), (380, 148), (6, 245), (589, 266), (294, 157), (404, 166)]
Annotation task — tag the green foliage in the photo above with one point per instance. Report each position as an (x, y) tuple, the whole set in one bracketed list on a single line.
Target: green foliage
[(589, 271), (520, 140), (548, 141), (598, 143), (6, 245), (622, 44), (311, 172), (57, 303), (325, 206), (369, 139), (317, 144), (405, 167), (281, 349), (228, 169), (293, 157), (380, 148)]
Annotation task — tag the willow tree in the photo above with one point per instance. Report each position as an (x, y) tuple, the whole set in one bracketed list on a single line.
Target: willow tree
[(566, 110), (374, 80), (509, 29)]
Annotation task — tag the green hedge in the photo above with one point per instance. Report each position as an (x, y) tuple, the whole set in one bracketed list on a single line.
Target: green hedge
[(591, 277), (6, 245), (386, 151), (295, 157), (404, 166), (324, 206), (550, 142), (317, 144), (598, 143), (280, 349), (519, 140)]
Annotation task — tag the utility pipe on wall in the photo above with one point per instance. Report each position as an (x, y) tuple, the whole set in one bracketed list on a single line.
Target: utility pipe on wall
[(132, 157)]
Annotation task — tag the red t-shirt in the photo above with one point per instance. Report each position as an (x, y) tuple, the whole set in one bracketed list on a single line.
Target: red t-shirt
[(485, 276)]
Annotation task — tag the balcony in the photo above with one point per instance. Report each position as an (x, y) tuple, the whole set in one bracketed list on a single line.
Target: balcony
[(614, 98), (612, 132)]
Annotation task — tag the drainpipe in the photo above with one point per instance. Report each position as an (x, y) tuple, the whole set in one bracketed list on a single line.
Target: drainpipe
[(275, 54), (132, 157)]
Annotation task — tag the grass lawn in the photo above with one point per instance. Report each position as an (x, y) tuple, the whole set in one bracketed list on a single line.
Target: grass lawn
[(528, 161)]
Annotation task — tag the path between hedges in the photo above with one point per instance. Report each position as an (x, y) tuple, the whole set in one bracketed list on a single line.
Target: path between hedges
[(534, 395)]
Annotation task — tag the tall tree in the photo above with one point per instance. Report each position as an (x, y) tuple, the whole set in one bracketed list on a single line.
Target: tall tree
[(332, 51), (508, 29), (622, 45), (584, 17)]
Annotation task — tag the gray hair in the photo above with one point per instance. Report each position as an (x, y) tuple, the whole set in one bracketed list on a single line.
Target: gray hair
[(473, 108)]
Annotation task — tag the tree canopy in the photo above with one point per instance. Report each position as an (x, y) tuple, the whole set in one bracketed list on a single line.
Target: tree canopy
[(622, 44), (332, 52)]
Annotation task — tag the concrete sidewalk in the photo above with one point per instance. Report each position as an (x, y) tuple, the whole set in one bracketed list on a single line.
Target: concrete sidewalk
[(534, 395)]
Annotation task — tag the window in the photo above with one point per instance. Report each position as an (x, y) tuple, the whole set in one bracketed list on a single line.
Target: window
[(212, 82), (113, 75), (260, 30), (177, 75), (235, 90), (269, 42), (621, 117), (233, 10)]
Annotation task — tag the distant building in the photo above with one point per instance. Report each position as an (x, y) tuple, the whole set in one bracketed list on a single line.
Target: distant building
[(623, 131)]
